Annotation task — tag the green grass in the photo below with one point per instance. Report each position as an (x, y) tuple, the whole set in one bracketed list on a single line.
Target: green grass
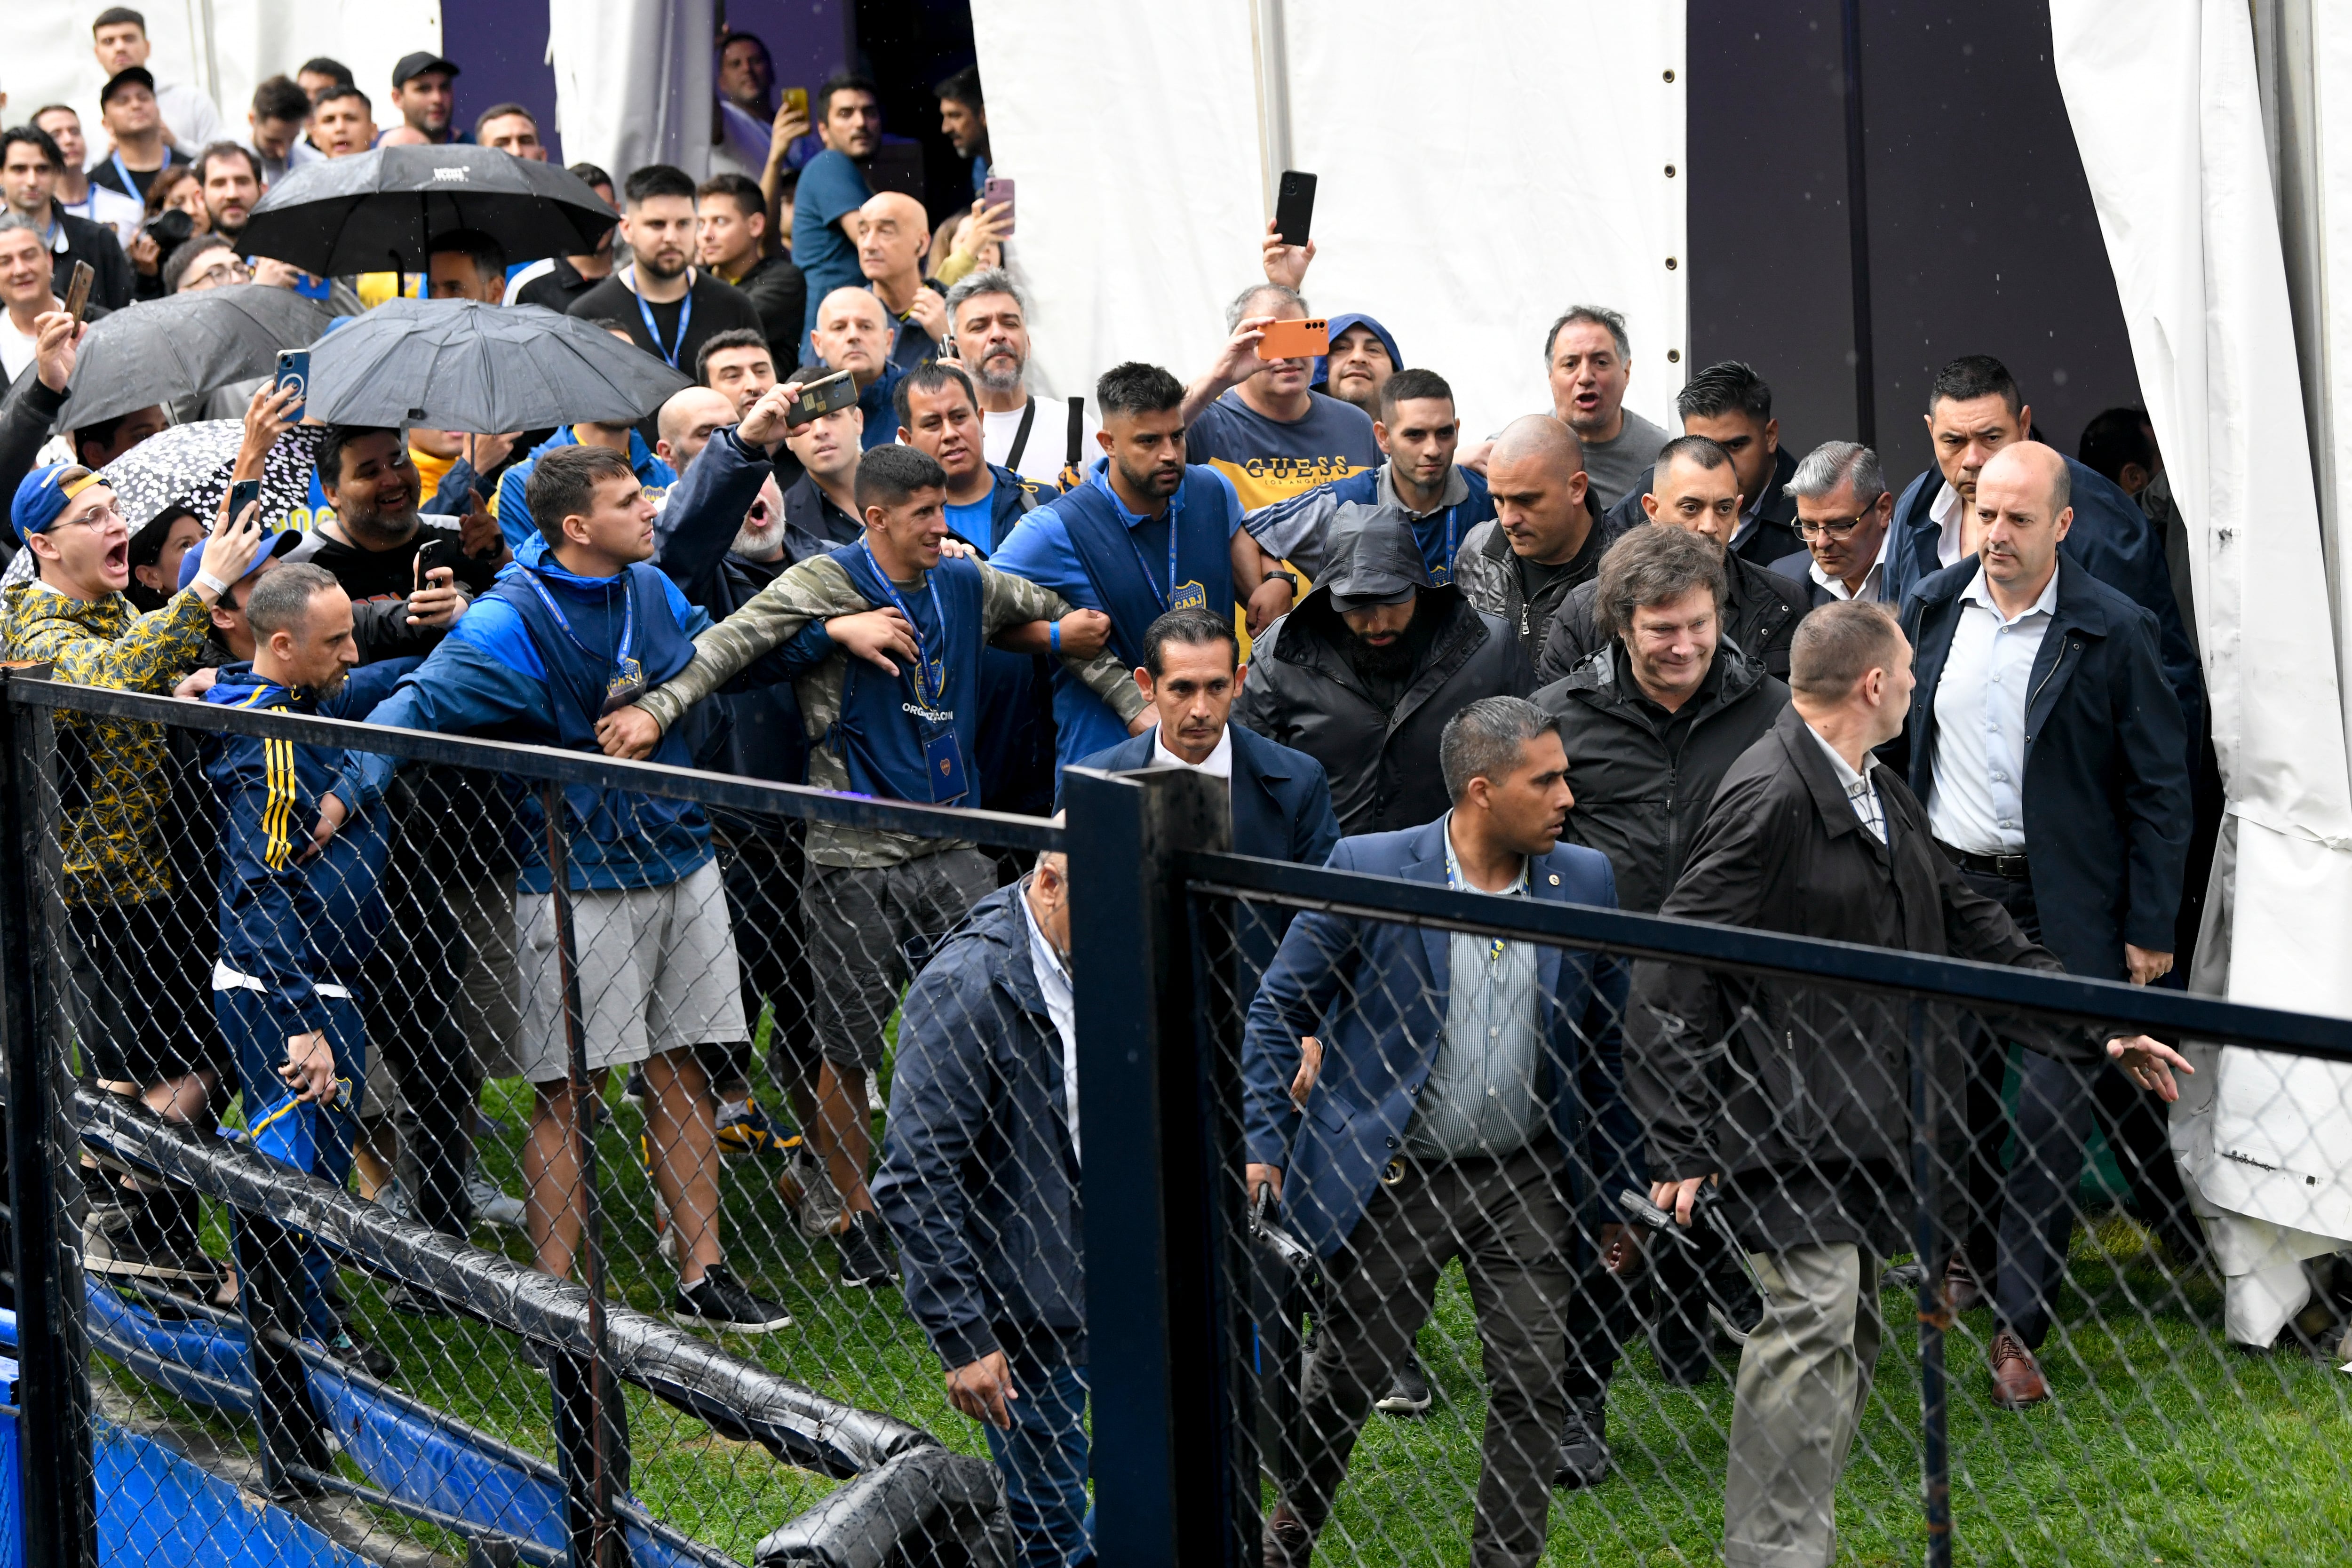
[(2162, 1445)]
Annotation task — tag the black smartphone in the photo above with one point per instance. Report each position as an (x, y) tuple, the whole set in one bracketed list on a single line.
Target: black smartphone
[(1294, 208), (294, 367), (78, 290), (242, 494), (826, 394), (437, 550)]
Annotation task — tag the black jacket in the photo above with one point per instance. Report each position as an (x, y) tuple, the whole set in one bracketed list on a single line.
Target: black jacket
[(978, 1181), (1760, 615), (1488, 575), (115, 283), (779, 292), (1641, 800), (1775, 533), (1801, 1094), (1303, 693), (2107, 788)]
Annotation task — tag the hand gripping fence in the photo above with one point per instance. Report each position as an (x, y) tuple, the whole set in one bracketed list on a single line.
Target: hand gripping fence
[(1462, 1331)]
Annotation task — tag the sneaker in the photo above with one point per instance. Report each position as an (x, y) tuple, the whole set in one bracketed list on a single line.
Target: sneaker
[(148, 1236), (808, 1188), (360, 1356), (745, 1129), (1584, 1446), (866, 1253), (492, 1204), (1408, 1391), (718, 1300)]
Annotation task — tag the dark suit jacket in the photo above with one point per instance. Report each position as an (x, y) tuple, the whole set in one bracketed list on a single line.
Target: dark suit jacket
[(2106, 773), (1281, 800), (1374, 993)]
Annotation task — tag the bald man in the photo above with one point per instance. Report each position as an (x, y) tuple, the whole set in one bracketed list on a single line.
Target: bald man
[(854, 332), (687, 421), (2052, 761), (1548, 534), (893, 237)]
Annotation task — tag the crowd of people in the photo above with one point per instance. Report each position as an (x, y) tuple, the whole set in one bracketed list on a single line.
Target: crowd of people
[(1581, 658)]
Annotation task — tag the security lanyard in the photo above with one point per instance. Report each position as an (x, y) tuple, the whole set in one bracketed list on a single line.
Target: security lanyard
[(1169, 597), (684, 318), (122, 173), (623, 666), (930, 673)]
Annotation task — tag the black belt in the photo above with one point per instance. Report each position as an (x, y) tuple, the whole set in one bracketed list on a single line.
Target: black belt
[(2010, 867)]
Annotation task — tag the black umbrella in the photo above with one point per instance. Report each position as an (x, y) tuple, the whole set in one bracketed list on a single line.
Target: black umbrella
[(164, 350), (378, 211), (455, 364)]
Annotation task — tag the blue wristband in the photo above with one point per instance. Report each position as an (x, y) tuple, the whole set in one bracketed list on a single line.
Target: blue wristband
[(1054, 637)]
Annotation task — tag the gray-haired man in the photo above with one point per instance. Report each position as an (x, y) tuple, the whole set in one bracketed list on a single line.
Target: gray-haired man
[(988, 316), (1842, 509)]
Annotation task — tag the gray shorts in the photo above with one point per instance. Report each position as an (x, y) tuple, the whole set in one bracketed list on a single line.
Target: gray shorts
[(658, 972), (860, 922)]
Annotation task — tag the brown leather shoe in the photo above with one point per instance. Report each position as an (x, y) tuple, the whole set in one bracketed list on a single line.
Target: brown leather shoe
[(1288, 1543), (1961, 1290), (2017, 1379)]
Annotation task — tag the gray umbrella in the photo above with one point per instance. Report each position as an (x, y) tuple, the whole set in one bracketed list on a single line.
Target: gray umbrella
[(166, 349), (455, 364), (379, 210)]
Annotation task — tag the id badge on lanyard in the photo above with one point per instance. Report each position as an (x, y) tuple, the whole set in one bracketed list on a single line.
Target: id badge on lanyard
[(627, 682), (943, 761)]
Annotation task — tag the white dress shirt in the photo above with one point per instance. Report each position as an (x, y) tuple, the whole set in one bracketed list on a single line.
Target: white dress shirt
[(1874, 582), (1860, 793), (1946, 513), (1977, 802), (1219, 762), (1061, 1005)]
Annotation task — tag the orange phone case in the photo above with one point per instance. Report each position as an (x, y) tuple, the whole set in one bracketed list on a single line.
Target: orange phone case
[(1295, 340)]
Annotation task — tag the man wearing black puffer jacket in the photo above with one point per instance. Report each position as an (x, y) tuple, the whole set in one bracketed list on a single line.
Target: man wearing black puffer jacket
[(1363, 675), (1652, 722)]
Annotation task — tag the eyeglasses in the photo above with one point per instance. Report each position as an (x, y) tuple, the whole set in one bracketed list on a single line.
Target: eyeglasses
[(109, 512), (1835, 527), (218, 274)]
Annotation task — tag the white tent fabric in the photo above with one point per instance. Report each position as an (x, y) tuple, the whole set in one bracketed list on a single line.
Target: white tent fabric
[(1142, 199), (633, 83), (2167, 113), (50, 59)]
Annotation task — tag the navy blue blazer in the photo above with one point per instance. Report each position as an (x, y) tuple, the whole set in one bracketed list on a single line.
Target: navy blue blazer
[(2107, 787), (2111, 539), (1281, 800), (1379, 1043)]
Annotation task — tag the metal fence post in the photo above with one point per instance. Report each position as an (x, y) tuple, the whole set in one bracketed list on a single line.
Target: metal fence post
[(58, 1500), (591, 1444), (1175, 1466), (1934, 1310)]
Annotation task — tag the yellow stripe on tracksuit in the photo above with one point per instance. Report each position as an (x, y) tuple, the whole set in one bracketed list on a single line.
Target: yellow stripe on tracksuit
[(278, 811)]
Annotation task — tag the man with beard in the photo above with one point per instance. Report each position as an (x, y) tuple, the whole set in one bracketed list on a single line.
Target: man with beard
[(29, 161), (963, 120), (667, 308), (1363, 355), (1144, 534), (424, 90), (988, 316), (1364, 675), (231, 177), (833, 188)]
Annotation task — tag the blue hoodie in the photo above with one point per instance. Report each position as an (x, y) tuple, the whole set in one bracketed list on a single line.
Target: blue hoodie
[(493, 676), (1339, 324), (286, 922)]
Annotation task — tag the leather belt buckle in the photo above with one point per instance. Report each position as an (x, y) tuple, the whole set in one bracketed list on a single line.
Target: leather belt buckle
[(2012, 866)]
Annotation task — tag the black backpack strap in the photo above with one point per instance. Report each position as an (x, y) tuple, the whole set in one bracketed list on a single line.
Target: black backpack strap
[(1021, 437), (1078, 430)]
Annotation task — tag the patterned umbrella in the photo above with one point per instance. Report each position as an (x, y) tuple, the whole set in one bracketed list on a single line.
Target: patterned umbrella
[(188, 466)]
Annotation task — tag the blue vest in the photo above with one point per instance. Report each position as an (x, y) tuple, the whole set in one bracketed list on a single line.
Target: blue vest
[(1135, 593), (580, 670), (887, 730)]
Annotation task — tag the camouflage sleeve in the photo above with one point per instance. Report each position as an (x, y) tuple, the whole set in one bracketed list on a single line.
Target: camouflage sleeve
[(151, 655), (816, 589), (1009, 601)]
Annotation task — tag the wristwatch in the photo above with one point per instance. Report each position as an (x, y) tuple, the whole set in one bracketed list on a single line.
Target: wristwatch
[(1292, 578)]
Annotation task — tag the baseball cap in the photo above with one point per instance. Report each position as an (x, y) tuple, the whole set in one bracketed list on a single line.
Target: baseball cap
[(418, 64), (129, 76), (1371, 558), (43, 494), (273, 545)]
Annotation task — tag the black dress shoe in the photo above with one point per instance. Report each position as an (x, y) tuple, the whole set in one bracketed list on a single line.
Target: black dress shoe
[(1584, 1446)]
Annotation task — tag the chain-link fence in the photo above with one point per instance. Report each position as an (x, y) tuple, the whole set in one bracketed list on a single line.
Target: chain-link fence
[(564, 1260), (569, 1254)]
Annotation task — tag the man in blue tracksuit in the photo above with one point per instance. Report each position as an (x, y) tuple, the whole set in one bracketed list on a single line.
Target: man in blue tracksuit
[(295, 928), (1145, 534), (514, 510), (539, 660), (1419, 433)]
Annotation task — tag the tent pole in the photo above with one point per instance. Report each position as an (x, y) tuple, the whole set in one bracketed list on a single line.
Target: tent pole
[(1857, 218)]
